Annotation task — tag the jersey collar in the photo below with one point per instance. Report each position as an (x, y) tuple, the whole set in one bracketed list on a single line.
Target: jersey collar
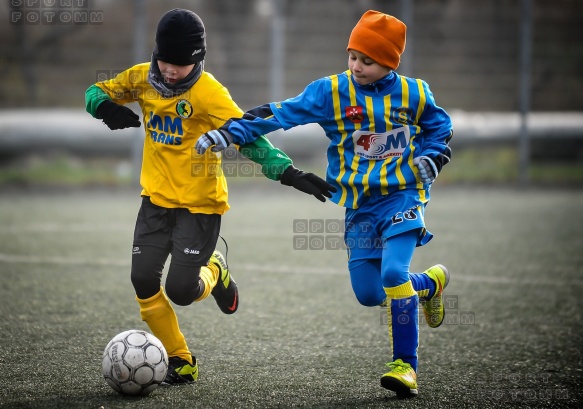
[(382, 86)]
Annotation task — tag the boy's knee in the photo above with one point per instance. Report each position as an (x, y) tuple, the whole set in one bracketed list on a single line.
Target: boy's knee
[(366, 283), (369, 298), (146, 272), (183, 295), (183, 285), (145, 285)]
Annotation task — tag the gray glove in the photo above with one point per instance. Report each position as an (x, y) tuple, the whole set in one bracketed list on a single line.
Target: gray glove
[(427, 169), (220, 139)]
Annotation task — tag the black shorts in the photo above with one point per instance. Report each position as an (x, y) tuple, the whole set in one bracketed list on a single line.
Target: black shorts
[(189, 237)]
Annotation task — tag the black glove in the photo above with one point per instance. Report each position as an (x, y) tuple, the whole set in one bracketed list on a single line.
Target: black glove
[(116, 116), (307, 183)]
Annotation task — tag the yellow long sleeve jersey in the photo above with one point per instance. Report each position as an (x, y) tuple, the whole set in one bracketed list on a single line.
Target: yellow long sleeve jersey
[(173, 175)]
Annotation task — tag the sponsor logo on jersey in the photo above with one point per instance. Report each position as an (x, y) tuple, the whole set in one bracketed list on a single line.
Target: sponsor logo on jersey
[(354, 114), (380, 146), (184, 108), (167, 130), (191, 251)]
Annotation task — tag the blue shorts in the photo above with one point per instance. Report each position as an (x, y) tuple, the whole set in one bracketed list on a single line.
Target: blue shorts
[(381, 217)]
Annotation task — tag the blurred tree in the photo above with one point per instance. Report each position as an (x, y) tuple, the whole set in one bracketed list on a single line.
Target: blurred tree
[(28, 50)]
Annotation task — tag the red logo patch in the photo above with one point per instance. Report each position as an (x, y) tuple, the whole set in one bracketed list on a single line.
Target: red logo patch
[(354, 113)]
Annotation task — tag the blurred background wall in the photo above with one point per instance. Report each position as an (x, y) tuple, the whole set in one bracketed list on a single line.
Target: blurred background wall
[(263, 50), (466, 49)]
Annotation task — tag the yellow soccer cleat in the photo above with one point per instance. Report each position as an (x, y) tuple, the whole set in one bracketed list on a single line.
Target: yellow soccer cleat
[(401, 379), (180, 371), (433, 308), (225, 292)]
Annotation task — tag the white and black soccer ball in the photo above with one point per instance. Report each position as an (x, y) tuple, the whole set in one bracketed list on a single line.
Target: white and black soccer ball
[(134, 362)]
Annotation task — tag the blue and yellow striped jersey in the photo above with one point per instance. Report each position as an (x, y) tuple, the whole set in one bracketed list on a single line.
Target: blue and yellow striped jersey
[(375, 131)]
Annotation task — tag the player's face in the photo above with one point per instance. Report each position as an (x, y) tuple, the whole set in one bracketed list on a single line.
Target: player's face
[(174, 73), (364, 69)]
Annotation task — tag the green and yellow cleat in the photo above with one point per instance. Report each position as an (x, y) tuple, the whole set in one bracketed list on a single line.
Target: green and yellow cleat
[(225, 292), (401, 379), (180, 371), (433, 308)]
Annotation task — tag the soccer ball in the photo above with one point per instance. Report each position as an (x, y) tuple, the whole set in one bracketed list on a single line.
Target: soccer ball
[(134, 362)]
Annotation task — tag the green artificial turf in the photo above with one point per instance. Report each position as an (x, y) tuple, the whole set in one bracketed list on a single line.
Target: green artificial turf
[(512, 336)]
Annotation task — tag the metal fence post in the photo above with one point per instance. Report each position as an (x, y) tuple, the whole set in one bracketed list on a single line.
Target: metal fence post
[(277, 56), (139, 48), (524, 89)]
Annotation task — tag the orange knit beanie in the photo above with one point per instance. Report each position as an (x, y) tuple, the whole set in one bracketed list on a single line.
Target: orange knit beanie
[(379, 36)]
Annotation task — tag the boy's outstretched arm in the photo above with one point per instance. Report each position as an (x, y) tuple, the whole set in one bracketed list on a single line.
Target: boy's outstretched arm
[(308, 107), (276, 165), (247, 132), (254, 123)]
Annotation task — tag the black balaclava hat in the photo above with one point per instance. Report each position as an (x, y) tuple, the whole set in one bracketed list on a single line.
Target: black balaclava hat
[(180, 38)]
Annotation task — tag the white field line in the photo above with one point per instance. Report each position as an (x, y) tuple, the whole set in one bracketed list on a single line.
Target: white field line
[(30, 259), (49, 227), (65, 228), (263, 268)]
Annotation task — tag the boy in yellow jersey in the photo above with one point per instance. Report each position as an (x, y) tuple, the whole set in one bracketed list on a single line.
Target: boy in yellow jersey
[(388, 141), (184, 194)]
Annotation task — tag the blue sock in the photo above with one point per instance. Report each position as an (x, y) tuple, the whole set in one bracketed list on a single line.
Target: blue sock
[(423, 285), (404, 329)]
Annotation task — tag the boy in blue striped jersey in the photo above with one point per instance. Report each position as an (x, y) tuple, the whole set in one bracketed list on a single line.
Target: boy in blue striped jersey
[(388, 142)]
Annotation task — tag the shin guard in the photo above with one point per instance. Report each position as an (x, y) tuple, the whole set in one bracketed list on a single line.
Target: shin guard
[(403, 322), (158, 313)]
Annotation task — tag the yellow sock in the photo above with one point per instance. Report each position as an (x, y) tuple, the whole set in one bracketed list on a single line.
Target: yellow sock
[(209, 276), (158, 313), (404, 290)]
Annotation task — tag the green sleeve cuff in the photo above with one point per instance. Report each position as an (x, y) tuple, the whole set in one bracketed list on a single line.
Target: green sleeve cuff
[(94, 96), (272, 160)]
